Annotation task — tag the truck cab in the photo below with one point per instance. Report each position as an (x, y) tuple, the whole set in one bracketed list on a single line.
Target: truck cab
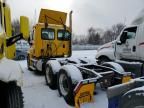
[(130, 44), (51, 38), (52, 41)]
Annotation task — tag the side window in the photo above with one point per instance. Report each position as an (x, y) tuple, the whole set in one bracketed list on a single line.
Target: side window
[(47, 34), (131, 35), (64, 35), (131, 32)]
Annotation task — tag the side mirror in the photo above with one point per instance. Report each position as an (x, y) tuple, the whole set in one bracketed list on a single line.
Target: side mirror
[(123, 37), (24, 27), (8, 26)]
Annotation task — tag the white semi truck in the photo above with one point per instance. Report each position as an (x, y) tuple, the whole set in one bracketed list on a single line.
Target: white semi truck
[(129, 46), (127, 51)]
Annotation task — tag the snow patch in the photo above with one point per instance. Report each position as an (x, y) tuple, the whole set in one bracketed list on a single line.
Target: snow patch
[(10, 71), (126, 62), (116, 66), (73, 72), (55, 65)]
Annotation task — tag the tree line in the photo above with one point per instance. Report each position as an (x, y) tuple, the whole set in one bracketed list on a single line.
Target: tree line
[(97, 36)]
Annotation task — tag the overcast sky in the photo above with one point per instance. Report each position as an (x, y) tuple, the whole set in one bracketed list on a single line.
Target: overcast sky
[(87, 13)]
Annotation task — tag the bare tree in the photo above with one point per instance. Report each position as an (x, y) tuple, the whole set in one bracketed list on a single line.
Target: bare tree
[(108, 36), (112, 33), (93, 36), (116, 29)]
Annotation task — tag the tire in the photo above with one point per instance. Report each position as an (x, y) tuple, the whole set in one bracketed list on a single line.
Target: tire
[(133, 99), (51, 70), (11, 97), (115, 66), (28, 63), (112, 81), (103, 59), (67, 82)]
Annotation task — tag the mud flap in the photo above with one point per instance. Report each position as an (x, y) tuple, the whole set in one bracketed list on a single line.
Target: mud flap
[(126, 79), (84, 92)]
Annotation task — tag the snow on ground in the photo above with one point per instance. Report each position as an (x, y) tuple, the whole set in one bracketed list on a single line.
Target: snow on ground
[(38, 95)]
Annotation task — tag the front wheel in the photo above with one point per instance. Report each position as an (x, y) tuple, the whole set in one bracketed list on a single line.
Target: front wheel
[(68, 78)]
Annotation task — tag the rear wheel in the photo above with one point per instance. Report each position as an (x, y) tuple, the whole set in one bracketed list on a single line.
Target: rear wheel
[(11, 96), (68, 78), (115, 66), (111, 81), (51, 70)]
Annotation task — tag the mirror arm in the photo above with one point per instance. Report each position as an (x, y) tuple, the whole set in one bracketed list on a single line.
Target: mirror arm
[(118, 42), (12, 40)]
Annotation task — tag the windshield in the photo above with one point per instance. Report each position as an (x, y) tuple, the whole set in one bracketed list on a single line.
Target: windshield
[(47, 34), (64, 35)]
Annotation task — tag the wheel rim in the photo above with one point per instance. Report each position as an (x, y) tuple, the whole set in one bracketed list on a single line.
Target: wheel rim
[(63, 84), (48, 75)]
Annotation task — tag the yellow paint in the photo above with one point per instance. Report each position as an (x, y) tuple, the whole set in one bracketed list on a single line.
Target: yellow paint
[(55, 48), (84, 95), (126, 79), (50, 48)]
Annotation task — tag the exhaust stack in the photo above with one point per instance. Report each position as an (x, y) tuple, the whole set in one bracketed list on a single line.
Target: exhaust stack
[(70, 20)]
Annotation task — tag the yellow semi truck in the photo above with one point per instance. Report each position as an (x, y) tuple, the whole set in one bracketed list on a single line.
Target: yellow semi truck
[(51, 39), (10, 71)]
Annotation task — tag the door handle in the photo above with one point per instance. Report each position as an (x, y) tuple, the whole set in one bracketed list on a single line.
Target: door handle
[(134, 48)]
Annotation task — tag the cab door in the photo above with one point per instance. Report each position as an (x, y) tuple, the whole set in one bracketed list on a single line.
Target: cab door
[(126, 45), (140, 42)]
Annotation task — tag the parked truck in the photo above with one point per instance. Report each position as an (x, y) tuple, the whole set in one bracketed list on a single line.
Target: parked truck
[(75, 79), (10, 71), (128, 46), (128, 52)]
